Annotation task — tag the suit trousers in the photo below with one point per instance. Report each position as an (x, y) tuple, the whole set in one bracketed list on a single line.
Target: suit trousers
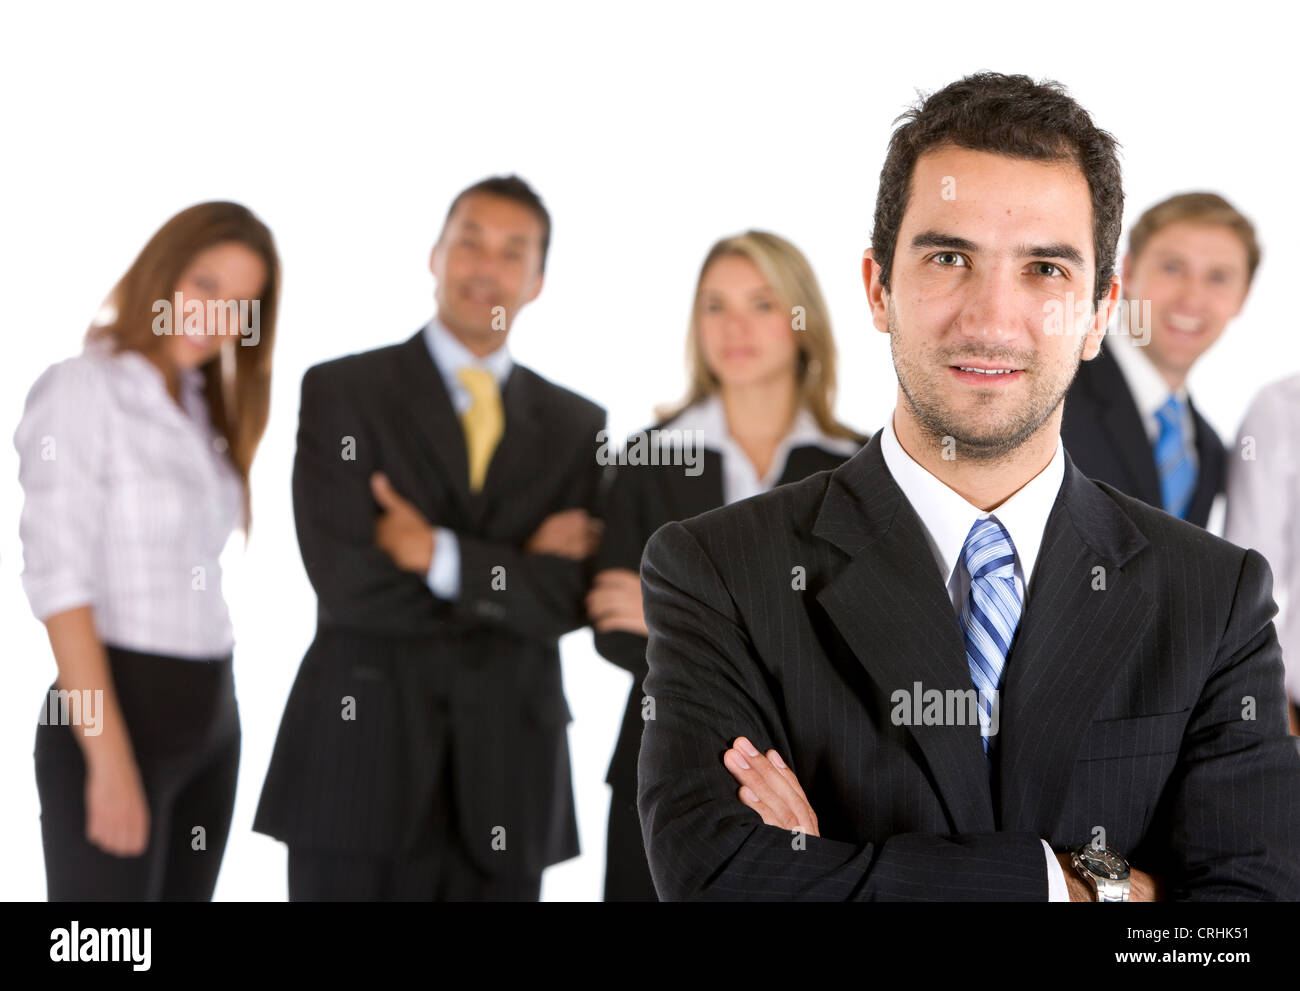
[(438, 868), (184, 728)]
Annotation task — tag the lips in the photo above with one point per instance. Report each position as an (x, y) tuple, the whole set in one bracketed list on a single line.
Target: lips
[(1184, 325), (990, 375)]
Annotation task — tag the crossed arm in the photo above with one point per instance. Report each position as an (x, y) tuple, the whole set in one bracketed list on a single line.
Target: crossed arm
[(712, 699)]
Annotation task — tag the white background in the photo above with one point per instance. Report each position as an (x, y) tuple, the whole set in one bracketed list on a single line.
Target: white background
[(650, 131)]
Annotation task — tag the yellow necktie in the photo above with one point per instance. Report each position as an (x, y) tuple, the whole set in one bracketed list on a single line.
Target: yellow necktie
[(484, 421)]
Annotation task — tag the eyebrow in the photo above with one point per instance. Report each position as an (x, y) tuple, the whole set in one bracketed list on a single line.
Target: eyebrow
[(473, 227), (1059, 249)]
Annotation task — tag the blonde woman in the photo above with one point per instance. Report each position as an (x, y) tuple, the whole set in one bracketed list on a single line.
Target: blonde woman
[(134, 462), (761, 365)]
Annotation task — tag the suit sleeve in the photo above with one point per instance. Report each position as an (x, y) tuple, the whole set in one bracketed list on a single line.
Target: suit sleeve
[(702, 843), (357, 585), (540, 596), (1232, 806), (621, 547)]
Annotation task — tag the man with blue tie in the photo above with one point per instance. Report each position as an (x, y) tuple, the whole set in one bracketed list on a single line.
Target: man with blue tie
[(1129, 420), (442, 497), (955, 668)]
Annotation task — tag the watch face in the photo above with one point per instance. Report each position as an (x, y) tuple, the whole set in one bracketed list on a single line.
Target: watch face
[(1104, 862)]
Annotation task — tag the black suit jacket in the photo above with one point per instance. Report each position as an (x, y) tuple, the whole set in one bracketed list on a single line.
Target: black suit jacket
[(1121, 705), (641, 499), (1102, 429), (480, 674)]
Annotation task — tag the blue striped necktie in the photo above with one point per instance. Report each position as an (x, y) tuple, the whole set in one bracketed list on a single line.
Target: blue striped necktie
[(1177, 473), (991, 612)]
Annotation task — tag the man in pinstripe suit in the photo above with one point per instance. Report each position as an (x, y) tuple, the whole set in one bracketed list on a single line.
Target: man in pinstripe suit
[(441, 496), (1126, 737)]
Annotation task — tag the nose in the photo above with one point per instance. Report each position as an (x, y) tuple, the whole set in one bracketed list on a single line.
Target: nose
[(992, 308)]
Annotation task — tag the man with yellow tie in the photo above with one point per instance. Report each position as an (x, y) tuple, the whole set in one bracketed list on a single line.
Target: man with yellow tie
[(443, 498)]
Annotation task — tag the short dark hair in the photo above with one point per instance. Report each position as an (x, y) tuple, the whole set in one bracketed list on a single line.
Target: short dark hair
[(509, 187), (1012, 116)]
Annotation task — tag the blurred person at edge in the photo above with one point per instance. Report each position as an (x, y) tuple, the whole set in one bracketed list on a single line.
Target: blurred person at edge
[(761, 365), (134, 463), (1128, 418)]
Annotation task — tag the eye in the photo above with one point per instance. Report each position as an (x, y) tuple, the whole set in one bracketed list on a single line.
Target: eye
[(1055, 269), (1219, 277), (950, 259), (763, 305), (204, 283)]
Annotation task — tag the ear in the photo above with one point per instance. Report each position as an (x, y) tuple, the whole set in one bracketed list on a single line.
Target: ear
[(877, 294), (1126, 268), (433, 256), (1101, 319)]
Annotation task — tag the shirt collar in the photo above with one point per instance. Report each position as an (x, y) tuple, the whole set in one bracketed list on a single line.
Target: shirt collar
[(450, 355), (947, 517), (710, 418), (1149, 389), (141, 369)]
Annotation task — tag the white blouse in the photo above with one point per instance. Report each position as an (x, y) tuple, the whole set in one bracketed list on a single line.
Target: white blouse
[(739, 477), (129, 501)]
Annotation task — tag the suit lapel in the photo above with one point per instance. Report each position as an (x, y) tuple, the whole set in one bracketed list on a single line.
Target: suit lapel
[(519, 452), (1123, 425), (426, 399), (1209, 470), (690, 495), (890, 605), (1083, 622)]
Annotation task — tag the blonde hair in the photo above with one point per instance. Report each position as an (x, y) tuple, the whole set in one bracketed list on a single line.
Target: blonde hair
[(791, 279), (1199, 208)]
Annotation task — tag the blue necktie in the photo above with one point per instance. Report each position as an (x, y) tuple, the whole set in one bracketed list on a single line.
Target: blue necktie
[(1177, 474), (991, 612)]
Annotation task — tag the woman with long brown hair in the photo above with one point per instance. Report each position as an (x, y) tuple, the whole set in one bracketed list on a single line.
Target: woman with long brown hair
[(134, 462), (758, 413)]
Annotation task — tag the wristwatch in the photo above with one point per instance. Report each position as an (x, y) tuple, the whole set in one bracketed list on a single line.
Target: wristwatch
[(1104, 869)]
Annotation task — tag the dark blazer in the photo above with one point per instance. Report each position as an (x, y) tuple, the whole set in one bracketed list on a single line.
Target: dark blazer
[(1102, 430), (641, 499), (480, 674), (1121, 707)]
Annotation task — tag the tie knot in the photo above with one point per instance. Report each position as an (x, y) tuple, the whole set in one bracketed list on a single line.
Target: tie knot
[(988, 551), (1170, 414), (481, 384)]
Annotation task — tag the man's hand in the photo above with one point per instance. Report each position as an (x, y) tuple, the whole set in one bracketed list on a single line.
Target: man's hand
[(770, 788), (614, 602), (569, 533), (400, 531), (1143, 887)]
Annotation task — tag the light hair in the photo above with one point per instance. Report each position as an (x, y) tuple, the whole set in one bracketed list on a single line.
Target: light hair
[(1197, 208), (791, 279)]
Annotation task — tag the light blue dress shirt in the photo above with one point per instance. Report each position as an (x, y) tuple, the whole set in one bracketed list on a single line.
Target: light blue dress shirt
[(450, 356)]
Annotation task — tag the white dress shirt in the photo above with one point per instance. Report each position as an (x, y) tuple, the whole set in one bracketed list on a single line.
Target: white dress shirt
[(450, 356), (740, 478), (1264, 502), (129, 500), (946, 519), (1150, 391)]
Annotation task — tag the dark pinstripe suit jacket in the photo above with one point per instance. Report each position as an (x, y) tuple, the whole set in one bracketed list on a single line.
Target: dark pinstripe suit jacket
[(641, 499), (1102, 430), (1121, 705), (480, 674)]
